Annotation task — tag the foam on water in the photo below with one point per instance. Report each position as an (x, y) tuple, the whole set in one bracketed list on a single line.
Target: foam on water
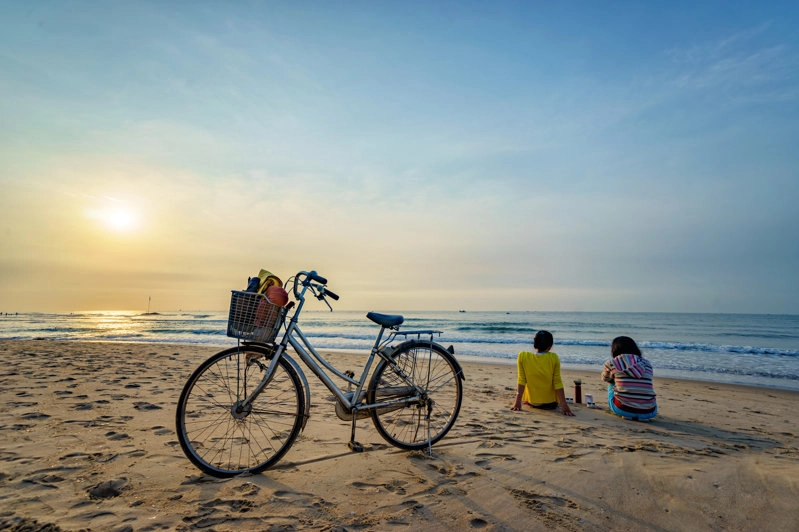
[(749, 349)]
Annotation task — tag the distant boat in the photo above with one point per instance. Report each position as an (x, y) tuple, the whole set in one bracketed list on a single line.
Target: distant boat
[(461, 310), (148, 313)]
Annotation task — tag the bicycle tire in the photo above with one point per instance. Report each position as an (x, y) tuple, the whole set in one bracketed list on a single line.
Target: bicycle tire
[(224, 442), (434, 370)]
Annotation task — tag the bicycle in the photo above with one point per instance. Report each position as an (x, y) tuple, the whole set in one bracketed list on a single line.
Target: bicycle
[(242, 409)]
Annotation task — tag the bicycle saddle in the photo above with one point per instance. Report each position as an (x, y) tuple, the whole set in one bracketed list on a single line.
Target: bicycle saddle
[(385, 320)]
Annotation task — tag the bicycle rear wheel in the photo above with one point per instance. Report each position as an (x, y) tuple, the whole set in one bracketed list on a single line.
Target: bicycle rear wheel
[(221, 436), (432, 369)]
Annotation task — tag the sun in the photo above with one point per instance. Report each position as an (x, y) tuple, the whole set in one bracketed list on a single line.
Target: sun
[(115, 215), (120, 219)]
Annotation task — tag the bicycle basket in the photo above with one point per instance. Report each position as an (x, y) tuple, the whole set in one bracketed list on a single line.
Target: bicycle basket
[(253, 317)]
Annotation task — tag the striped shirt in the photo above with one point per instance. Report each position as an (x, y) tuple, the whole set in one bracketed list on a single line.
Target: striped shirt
[(631, 377)]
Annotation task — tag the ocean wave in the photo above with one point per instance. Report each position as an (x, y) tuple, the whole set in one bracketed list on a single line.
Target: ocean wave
[(738, 346), (667, 346), (712, 348), (740, 372), (201, 332)]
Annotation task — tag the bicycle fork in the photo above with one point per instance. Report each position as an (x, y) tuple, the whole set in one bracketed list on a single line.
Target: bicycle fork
[(241, 406)]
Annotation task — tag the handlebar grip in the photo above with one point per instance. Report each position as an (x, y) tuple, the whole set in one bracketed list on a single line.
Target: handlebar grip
[(331, 294), (316, 277)]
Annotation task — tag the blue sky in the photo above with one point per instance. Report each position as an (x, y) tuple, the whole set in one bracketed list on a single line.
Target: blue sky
[(499, 156)]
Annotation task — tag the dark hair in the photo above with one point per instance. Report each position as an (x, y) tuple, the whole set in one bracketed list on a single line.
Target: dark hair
[(624, 345), (543, 341)]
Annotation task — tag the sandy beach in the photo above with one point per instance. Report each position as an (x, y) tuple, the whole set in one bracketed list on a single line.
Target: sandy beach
[(88, 443)]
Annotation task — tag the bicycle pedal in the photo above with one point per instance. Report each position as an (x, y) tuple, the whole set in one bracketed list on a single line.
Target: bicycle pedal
[(355, 447)]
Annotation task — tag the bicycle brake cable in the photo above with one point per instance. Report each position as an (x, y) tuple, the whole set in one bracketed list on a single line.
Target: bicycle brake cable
[(321, 295)]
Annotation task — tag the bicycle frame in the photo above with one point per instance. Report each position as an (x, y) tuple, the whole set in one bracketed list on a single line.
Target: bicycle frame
[(318, 364)]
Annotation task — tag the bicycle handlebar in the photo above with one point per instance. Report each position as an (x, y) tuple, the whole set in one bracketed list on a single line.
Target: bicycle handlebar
[(313, 276), (331, 294), (307, 278)]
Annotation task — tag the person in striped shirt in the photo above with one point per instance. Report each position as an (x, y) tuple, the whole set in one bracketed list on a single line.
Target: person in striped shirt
[(629, 377)]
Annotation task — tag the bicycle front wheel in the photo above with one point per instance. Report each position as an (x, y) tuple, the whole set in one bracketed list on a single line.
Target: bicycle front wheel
[(223, 436), (421, 366)]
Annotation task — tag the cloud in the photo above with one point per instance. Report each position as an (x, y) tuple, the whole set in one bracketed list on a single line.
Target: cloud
[(746, 64)]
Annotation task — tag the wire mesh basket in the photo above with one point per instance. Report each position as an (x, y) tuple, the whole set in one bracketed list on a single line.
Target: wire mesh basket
[(253, 317)]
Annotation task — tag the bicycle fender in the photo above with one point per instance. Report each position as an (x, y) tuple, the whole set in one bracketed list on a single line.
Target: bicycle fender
[(305, 387), (451, 351), (451, 356)]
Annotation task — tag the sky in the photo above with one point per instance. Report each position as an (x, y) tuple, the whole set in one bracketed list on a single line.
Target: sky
[(508, 155)]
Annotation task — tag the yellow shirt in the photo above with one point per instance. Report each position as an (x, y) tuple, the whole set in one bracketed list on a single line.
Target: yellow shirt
[(540, 373)]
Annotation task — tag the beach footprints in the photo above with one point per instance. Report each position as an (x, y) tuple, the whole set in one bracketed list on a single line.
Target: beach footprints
[(235, 502), (553, 510), (116, 436), (228, 505), (108, 489), (487, 460), (452, 472), (161, 430), (44, 479), (478, 523), (144, 405), (99, 421), (395, 486), (35, 416)]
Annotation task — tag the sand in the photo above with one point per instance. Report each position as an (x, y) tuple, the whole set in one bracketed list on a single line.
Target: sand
[(88, 443)]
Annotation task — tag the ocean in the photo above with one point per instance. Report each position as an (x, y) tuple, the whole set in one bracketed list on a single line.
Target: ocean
[(753, 349)]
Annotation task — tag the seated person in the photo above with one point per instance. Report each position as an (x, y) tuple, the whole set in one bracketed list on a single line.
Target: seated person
[(539, 384), (630, 391)]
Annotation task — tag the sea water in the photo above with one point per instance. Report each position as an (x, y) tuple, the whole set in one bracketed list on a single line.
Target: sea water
[(753, 349)]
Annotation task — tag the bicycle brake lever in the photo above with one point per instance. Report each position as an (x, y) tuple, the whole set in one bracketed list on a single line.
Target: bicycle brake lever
[(320, 295)]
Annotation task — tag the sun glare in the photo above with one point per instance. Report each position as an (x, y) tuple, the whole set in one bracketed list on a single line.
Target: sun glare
[(115, 216), (120, 220)]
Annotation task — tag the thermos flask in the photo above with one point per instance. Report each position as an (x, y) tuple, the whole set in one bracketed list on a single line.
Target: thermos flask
[(578, 391)]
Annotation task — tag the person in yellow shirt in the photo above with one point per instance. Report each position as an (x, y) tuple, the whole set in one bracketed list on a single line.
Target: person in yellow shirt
[(539, 383)]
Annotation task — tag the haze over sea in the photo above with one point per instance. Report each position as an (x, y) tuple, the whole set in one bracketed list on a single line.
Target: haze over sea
[(753, 349)]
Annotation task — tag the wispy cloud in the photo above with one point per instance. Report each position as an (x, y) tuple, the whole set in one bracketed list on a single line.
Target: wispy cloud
[(745, 63)]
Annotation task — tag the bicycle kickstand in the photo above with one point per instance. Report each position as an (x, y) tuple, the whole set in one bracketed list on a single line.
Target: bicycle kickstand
[(354, 445)]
